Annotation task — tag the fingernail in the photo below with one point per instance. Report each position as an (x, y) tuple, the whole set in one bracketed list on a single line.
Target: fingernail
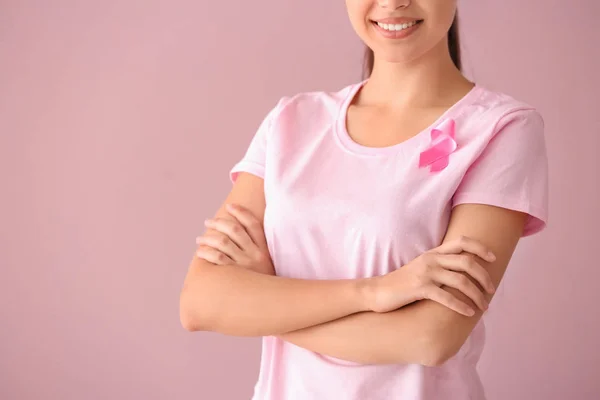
[(207, 222), (197, 239), (231, 207), (471, 312), (491, 256)]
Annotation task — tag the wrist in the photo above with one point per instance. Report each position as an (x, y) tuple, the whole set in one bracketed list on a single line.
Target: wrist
[(367, 292)]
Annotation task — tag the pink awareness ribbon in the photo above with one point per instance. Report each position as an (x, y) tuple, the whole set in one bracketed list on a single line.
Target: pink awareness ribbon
[(437, 155)]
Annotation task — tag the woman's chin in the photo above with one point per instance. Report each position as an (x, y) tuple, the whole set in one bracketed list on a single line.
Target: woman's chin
[(392, 58)]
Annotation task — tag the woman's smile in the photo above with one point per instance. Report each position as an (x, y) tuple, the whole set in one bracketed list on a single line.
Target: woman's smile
[(391, 29)]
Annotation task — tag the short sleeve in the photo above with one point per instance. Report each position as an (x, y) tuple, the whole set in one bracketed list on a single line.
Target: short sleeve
[(512, 170), (254, 160)]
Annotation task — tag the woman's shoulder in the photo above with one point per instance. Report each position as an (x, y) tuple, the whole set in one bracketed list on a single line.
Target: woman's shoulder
[(312, 101), (501, 123), (493, 106)]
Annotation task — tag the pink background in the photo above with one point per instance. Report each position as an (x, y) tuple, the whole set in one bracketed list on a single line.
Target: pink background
[(119, 121)]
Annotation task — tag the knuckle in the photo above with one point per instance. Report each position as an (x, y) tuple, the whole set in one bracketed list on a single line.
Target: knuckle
[(467, 260), (239, 208), (200, 250), (221, 257), (424, 291), (203, 247), (223, 240), (237, 229)]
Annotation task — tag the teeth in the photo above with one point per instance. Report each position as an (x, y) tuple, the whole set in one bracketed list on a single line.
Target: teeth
[(396, 27)]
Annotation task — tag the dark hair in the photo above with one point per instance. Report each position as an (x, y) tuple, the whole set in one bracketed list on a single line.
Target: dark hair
[(453, 45)]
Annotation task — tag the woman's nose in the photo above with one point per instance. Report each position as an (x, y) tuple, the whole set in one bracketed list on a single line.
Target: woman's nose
[(393, 4)]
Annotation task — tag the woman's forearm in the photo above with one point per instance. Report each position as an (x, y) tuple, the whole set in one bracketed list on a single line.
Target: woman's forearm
[(399, 336), (236, 301)]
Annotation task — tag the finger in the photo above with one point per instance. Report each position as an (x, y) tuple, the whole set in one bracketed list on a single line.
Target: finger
[(252, 224), (465, 263), (233, 229), (223, 244), (461, 283), (469, 245), (214, 256), (445, 298)]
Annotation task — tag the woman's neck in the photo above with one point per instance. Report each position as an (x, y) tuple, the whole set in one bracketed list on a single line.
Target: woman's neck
[(430, 80)]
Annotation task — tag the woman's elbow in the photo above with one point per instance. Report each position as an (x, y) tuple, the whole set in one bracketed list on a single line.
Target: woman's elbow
[(438, 353), (196, 308), (435, 359), (428, 347), (187, 321), (186, 317), (191, 315)]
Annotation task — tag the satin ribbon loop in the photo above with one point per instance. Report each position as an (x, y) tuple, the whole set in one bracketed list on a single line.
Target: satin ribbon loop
[(437, 154)]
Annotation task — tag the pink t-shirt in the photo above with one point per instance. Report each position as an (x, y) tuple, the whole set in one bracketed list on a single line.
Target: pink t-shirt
[(337, 209)]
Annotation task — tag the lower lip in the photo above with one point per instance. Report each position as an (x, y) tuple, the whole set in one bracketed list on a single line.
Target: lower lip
[(396, 34)]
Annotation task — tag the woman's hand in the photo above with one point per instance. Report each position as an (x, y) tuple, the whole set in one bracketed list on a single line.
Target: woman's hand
[(242, 242), (236, 242), (423, 277)]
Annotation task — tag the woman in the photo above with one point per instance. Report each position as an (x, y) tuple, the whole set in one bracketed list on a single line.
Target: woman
[(415, 167)]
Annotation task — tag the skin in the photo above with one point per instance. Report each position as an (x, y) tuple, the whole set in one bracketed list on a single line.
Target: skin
[(413, 82)]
